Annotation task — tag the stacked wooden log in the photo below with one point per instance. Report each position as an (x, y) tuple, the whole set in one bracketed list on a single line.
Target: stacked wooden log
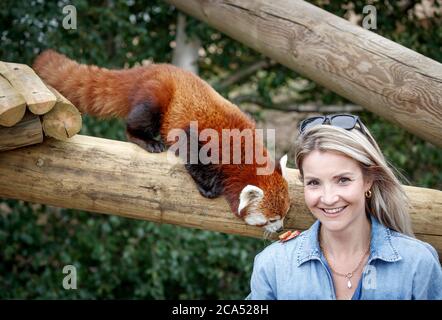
[(28, 108)]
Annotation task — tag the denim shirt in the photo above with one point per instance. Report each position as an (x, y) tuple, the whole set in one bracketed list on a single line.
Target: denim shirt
[(399, 268)]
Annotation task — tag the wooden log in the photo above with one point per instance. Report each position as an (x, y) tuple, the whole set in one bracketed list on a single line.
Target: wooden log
[(120, 178), (38, 97), (388, 79), (27, 132), (63, 121), (12, 104)]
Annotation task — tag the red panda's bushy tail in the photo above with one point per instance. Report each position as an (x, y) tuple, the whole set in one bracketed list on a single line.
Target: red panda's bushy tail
[(93, 90)]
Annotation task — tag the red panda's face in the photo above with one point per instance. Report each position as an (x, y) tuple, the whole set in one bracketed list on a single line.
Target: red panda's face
[(266, 205)]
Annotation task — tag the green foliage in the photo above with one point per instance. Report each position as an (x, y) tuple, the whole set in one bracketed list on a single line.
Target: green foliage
[(116, 257), (123, 258), (110, 33)]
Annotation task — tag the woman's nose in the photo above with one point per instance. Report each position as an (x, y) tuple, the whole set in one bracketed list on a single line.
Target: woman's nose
[(329, 197)]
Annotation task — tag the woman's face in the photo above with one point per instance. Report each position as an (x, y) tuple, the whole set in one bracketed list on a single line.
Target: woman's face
[(334, 189)]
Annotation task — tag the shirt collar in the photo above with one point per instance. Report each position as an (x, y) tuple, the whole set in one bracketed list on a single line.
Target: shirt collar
[(381, 246)]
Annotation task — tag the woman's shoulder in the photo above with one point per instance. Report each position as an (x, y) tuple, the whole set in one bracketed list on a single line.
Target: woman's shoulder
[(420, 261), (412, 248), (283, 250)]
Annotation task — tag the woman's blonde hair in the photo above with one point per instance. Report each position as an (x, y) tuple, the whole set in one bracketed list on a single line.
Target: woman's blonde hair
[(388, 203)]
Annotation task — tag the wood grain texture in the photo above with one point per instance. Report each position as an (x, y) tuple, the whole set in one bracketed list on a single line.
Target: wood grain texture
[(388, 79), (63, 121), (27, 132), (12, 104), (120, 178), (38, 97)]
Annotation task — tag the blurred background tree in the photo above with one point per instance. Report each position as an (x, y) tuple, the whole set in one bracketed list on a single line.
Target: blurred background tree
[(123, 258)]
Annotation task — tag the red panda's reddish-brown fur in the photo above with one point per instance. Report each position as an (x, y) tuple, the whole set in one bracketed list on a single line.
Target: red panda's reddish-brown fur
[(181, 96)]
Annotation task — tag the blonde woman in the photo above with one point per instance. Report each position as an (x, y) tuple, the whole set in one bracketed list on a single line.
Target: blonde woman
[(362, 245)]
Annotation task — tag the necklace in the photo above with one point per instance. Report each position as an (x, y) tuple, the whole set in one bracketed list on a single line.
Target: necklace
[(349, 275)]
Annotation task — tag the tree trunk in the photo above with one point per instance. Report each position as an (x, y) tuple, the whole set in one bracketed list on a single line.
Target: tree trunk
[(185, 53), (388, 79)]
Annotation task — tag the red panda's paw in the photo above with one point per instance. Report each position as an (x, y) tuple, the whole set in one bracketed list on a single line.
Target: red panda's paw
[(208, 179), (155, 146), (150, 145), (211, 193)]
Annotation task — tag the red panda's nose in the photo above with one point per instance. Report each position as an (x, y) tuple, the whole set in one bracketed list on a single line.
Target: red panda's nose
[(280, 229)]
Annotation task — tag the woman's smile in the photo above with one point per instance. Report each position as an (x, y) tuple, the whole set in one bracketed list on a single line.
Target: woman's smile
[(333, 212)]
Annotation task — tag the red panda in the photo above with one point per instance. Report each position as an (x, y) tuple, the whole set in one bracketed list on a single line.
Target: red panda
[(157, 98)]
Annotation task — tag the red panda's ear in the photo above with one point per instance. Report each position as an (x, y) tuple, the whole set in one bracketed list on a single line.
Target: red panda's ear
[(282, 167), (250, 195)]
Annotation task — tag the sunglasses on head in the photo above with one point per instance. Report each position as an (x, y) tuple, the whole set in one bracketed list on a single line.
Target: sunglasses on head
[(344, 121)]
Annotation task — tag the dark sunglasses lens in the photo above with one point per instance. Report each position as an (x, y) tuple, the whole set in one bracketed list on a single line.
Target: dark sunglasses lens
[(344, 122), (310, 122)]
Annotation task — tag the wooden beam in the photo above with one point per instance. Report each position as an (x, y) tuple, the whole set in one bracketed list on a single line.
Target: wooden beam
[(122, 179), (27, 132), (388, 79), (38, 97), (64, 119), (12, 104)]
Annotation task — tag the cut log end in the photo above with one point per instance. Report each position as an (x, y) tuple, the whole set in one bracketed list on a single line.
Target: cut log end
[(44, 106), (62, 122), (12, 115)]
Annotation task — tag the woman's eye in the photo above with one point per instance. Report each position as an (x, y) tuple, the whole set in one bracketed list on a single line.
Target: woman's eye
[(312, 183), (343, 180)]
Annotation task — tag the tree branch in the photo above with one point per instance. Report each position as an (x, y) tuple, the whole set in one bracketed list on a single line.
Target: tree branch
[(293, 106), (243, 73)]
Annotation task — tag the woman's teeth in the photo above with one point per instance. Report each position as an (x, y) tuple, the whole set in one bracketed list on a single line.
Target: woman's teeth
[(333, 211)]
